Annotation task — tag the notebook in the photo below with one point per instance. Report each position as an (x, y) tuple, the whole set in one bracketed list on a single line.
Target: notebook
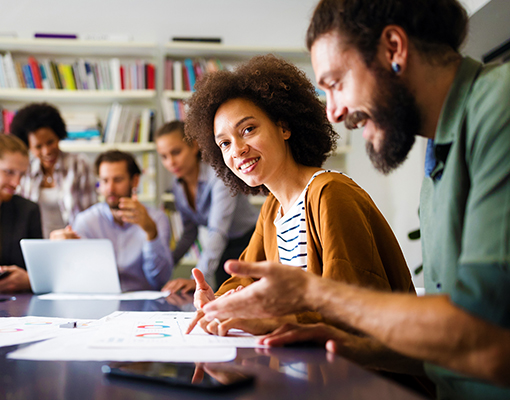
[(71, 266)]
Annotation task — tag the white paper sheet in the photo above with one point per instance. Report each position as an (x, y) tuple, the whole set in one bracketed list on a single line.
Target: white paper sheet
[(29, 329), (163, 330), (74, 348), (140, 295)]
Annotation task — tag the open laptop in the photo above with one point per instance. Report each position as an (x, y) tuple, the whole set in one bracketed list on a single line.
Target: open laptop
[(71, 266)]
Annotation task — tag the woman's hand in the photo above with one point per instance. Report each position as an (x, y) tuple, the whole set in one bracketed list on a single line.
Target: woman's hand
[(255, 326), (203, 295)]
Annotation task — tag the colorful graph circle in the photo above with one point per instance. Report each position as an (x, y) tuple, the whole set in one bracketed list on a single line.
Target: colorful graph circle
[(10, 330), (38, 323), (153, 326), (153, 335)]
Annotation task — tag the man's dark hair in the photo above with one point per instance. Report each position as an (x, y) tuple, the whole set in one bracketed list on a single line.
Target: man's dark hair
[(279, 89), (433, 26), (113, 156), (36, 116)]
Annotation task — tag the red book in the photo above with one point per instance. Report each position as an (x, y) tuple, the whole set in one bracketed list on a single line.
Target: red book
[(151, 75), (36, 72), (185, 79), (122, 84), (169, 75)]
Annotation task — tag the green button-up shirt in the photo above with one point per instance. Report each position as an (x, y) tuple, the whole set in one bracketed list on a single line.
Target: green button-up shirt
[(465, 210)]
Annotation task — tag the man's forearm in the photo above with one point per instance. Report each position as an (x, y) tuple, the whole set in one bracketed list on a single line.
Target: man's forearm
[(429, 328)]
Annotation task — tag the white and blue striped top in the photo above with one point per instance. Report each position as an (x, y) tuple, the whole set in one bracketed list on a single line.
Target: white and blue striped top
[(291, 231)]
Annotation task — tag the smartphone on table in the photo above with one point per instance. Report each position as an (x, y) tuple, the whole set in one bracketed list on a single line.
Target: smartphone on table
[(205, 377)]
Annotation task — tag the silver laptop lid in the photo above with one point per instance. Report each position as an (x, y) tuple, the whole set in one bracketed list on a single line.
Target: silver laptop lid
[(71, 266)]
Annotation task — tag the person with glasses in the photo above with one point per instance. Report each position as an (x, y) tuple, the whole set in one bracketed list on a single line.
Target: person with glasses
[(19, 218)]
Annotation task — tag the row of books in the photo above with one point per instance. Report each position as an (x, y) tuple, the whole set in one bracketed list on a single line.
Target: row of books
[(82, 125), (80, 75), (182, 75), (173, 109), (129, 124)]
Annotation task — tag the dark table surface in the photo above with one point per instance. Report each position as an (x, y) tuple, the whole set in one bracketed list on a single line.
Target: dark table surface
[(281, 373)]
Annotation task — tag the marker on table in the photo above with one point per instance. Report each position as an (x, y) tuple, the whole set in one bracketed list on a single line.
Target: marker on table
[(69, 325), (7, 299)]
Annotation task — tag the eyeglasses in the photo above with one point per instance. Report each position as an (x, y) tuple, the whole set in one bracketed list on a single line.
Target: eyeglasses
[(10, 173)]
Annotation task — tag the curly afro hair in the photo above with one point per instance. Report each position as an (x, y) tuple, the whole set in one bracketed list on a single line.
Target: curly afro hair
[(279, 89), (36, 116)]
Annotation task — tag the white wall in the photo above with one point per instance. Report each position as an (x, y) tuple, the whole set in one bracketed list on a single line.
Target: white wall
[(243, 22), (237, 22)]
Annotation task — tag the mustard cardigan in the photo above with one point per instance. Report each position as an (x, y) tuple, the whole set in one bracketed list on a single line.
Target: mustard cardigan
[(348, 239)]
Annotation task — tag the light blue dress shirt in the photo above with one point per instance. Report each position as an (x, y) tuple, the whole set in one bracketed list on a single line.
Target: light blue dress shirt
[(142, 264), (225, 216)]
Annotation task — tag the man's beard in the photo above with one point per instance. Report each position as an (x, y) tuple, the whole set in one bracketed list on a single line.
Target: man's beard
[(115, 205), (396, 114)]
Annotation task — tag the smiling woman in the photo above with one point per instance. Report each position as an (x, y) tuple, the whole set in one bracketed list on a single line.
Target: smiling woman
[(63, 184), (263, 128)]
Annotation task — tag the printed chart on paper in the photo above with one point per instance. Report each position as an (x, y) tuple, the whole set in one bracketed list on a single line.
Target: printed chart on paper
[(162, 329)]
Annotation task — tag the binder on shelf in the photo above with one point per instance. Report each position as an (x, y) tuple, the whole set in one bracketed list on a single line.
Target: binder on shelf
[(10, 71), (27, 76), (169, 81), (19, 75), (35, 72), (150, 71), (190, 73), (178, 86), (115, 74), (44, 77), (3, 76)]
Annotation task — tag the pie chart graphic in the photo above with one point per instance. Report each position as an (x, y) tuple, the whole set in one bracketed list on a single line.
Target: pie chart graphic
[(153, 335), (158, 326)]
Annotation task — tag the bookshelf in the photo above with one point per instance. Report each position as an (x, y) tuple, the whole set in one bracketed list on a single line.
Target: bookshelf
[(99, 101), (94, 98)]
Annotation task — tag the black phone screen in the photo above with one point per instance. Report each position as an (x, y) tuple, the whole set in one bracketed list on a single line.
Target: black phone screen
[(179, 374)]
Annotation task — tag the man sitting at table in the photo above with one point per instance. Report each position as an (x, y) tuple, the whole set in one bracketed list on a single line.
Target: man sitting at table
[(19, 218), (140, 234)]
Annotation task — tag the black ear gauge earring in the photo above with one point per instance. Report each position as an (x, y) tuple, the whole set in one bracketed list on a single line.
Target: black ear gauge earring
[(396, 67)]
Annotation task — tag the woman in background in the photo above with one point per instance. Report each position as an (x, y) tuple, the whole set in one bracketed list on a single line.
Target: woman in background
[(202, 199), (62, 184)]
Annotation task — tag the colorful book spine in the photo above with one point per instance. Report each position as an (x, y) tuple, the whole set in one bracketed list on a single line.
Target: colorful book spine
[(190, 73), (36, 74), (27, 76), (150, 77)]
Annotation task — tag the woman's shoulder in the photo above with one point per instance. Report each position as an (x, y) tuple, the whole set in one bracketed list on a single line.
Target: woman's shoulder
[(336, 185)]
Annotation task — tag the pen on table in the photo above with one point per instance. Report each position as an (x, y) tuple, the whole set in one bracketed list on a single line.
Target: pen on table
[(69, 325), (7, 299)]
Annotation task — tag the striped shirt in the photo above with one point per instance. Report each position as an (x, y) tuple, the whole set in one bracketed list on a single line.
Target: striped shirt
[(291, 230)]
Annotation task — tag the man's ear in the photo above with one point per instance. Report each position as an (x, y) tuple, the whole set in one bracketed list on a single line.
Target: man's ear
[(394, 48)]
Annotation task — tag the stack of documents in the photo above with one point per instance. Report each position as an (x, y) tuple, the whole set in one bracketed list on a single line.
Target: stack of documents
[(122, 336)]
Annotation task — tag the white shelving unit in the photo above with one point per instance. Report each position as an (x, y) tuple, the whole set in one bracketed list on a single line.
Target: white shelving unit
[(56, 95), (99, 100)]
